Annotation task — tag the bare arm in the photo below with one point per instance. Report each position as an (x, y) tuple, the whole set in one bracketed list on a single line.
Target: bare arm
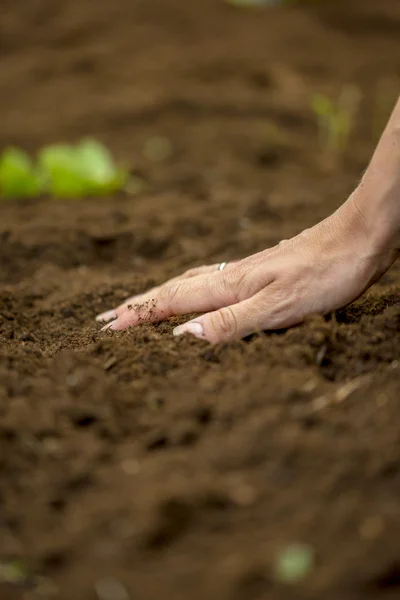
[(378, 195)]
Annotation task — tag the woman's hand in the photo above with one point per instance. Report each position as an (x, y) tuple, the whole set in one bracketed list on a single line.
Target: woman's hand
[(319, 270)]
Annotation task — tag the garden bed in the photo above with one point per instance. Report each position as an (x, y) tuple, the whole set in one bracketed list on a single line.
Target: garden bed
[(172, 467)]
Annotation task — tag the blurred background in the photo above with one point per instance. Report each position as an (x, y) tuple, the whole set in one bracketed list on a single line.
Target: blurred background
[(199, 86), (135, 463), (227, 101)]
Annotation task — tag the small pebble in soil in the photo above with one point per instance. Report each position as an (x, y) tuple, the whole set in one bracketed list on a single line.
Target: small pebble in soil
[(244, 495), (381, 400), (294, 563), (372, 527), (46, 588), (27, 337), (110, 363), (130, 466), (111, 589)]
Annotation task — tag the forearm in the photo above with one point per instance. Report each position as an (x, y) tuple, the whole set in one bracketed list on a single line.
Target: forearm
[(378, 194)]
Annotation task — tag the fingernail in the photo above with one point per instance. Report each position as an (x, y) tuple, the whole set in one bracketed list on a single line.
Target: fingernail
[(194, 328), (109, 325), (107, 316)]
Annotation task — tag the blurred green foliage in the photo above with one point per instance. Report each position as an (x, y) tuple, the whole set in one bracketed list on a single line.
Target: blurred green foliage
[(294, 563), (13, 572), (18, 176), (336, 119), (63, 171)]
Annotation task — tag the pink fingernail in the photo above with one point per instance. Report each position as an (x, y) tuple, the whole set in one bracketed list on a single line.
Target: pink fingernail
[(193, 327), (107, 316), (109, 326)]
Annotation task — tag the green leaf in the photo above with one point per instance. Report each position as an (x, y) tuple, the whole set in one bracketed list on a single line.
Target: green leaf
[(294, 563), (18, 177), (98, 169), (60, 167), (322, 105), (95, 162), (13, 572), (87, 169)]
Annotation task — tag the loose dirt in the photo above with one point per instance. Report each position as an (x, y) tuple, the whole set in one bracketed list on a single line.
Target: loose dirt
[(170, 467)]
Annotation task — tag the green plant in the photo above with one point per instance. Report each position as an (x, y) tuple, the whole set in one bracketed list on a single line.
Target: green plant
[(294, 563), (18, 176), (63, 171), (82, 170), (13, 572), (336, 120), (60, 167)]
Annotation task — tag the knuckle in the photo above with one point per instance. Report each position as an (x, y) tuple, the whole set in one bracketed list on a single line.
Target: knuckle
[(171, 292), (240, 283), (280, 307), (224, 322)]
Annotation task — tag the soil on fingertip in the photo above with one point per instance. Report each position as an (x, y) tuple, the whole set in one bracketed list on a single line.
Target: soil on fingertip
[(134, 464)]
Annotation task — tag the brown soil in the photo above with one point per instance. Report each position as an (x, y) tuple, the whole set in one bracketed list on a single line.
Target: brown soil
[(177, 469)]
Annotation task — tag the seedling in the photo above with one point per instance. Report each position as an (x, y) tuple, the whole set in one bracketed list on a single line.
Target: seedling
[(336, 120), (63, 171), (294, 563), (18, 176), (13, 572), (83, 170)]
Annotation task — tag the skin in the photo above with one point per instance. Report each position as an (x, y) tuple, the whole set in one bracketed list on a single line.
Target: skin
[(320, 270)]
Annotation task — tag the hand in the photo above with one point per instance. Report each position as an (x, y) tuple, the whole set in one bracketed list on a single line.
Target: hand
[(317, 271)]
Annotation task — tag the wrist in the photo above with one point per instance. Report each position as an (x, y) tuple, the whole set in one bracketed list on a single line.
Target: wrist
[(378, 217), (377, 197), (371, 241)]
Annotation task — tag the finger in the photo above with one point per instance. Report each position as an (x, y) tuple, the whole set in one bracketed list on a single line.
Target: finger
[(258, 313), (196, 294), (111, 315)]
